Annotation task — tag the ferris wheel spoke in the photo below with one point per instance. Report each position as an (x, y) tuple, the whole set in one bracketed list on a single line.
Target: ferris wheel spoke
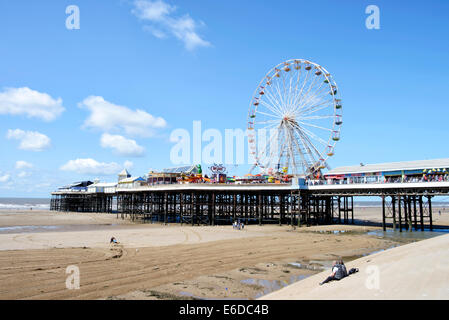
[(313, 135), (317, 107), (313, 103), (318, 117), (314, 92), (291, 149), (295, 92), (274, 103), (311, 148), (314, 148), (306, 163), (280, 153), (269, 127), (281, 99), (275, 111), (315, 97), (269, 143), (303, 84), (302, 102), (307, 147), (310, 86), (289, 96), (269, 122), (292, 156), (268, 114), (315, 126), (296, 146), (284, 88)]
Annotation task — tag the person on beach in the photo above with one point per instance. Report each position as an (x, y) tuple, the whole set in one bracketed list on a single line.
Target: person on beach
[(113, 240), (339, 272)]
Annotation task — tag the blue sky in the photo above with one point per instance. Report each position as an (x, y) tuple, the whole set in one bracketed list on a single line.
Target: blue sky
[(202, 60)]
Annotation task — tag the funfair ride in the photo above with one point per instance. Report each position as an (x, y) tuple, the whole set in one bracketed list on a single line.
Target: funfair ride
[(294, 120)]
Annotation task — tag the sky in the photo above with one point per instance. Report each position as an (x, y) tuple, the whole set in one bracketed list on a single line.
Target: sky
[(84, 101)]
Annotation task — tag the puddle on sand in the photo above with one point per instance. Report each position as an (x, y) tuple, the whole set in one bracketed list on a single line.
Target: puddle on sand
[(314, 265), (272, 285), (408, 235)]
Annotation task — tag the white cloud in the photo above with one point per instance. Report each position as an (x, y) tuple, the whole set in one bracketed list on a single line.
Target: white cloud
[(92, 167), (152, 10), (160, 15), (121, 145), (33, 104), (23, 165), (107, 116), (30, 140), (5, 178), (156, 32), (24, 174)]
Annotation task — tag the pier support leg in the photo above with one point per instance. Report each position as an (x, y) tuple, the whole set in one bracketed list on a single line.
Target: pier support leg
[(393, 205), (399, 213), (404, 200), (192, 211), (421, 213), (414, 213), (339, 210), (410, 214), (430, 212), (166, 207), (384, 227), (212, 222)]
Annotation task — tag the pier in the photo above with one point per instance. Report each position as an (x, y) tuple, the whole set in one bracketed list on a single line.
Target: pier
[(405, 206)]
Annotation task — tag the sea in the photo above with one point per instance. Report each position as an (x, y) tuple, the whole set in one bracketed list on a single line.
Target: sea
[(24, 204)]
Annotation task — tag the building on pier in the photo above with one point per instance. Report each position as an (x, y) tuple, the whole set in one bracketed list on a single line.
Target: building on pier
[(131, 183), (172, 175), (124, 175), (102, 187), (393, 172)]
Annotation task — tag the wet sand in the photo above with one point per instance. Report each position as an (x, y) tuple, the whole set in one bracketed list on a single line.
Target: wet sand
[(155, 261)]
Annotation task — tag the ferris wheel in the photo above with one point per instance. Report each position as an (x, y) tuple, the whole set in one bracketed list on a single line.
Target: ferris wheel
[(294, 119)]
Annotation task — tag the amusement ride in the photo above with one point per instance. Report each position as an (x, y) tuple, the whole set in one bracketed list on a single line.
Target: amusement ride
[(294, 120)]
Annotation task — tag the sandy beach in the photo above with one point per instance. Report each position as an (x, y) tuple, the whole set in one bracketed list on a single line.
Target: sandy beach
[(156, 261)]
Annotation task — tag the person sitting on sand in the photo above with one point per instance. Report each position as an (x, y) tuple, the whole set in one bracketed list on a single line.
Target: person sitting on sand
[(113, 240), (339, 272)]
